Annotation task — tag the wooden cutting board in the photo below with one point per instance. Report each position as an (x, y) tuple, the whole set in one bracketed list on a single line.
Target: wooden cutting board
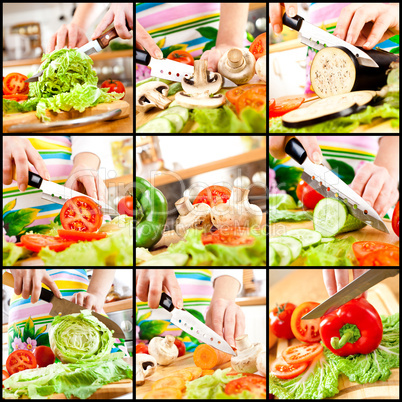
[(312, 289), (30, 117), (164, 371)]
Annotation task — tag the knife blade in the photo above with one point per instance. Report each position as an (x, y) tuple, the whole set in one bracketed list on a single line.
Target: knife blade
[(318, 38), (188, 323), (64, 307), (169, 69), (329, 185), (59, 194), (354, 289)]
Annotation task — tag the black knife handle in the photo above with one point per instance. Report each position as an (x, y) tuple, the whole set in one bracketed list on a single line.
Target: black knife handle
[(166, 302), (34, 180), (293, 22), (295, 150), (142, 57), (46, 295)]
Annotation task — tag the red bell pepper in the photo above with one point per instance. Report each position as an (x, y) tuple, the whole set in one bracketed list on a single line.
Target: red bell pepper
[(355, 327)]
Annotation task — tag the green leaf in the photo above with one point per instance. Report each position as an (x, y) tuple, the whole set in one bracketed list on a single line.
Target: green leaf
[(208, 32), (343, 170)]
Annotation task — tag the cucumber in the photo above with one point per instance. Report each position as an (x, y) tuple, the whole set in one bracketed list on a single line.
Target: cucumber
[(181, 111), (332, 217), (327, 239), (294, 244), (159, 125), (307, 237), (284, 253), (176, 120), (273, 257)]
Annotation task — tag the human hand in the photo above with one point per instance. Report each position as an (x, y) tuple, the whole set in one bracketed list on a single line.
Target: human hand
[(70, 35), (277, 145), (337, 279)]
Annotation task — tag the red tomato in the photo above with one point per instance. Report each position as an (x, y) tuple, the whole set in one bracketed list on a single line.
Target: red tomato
[(285, 104), (81, 214), (305, 330), (301, 353), (125, 206), (230, 236), (395, 219), (44, 356), (75, 236), (213, 195), (141, 348), (20, 360), (381, 258), (279, 320), (181, 346), (257, 386), (259, 46), (14, 83), (286, 371), (234, 94), (114, 86), (255, 98), (181, 56), (16, 97), (364, 248), (35, 242), (307, 195)]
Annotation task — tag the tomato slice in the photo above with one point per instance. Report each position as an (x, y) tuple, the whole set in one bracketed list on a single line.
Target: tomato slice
[(364, 248), (213, 195), (231, 236), (81, 214), (381, 258), (257, 386), (286, 371), (305, 330), (14, 83), (20, 360), (301, 353), (75, 236), (35, 242)]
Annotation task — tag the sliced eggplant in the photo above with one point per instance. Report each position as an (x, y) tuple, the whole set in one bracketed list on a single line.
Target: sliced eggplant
[(328, 109)]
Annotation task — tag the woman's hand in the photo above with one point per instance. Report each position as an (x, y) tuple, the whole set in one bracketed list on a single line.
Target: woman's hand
[(90, 301)]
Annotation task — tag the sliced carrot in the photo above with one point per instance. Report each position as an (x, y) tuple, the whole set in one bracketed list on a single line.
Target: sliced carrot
[(207, 372), (195, 372), (185, 374), (166, 393), (207, 357), (170, 382)]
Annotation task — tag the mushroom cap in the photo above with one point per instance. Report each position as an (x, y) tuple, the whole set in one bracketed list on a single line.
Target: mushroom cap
[(202, 80), (142, 101), (202, 101)]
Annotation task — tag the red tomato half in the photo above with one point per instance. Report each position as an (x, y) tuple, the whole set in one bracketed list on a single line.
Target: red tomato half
[(75, 236), (305, 330), (213, 195), (230, 236), (35, 242), (81, 214), (395, 220), (364, 248), (301, 353), (20, 360), (257, 386), (14, 83), (381, 258)]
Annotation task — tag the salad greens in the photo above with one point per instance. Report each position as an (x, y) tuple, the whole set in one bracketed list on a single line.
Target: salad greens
[(80, 338), (68, 82)]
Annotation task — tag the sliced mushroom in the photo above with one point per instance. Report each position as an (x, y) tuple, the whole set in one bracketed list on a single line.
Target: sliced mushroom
[(152, 94), (202, 81), (237, 65), (200, 101), (145, 367)]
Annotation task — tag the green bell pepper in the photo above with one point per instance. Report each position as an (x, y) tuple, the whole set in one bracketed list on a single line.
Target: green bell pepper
[(150, 213)]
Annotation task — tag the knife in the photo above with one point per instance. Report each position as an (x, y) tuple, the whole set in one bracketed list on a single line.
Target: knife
[(188, 323), (59, 194), (64, 307), (329, 185), (354, 289), (318, 38), (169, 69)]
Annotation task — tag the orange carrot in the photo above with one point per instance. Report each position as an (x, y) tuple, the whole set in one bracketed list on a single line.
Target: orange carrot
[(207, 372), (207, 357), (185, 374), (195, 372), (172, 382), (166, 393)]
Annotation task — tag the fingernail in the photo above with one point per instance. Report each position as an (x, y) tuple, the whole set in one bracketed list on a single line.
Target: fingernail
[(316, 157), (180, 304), (47, 176), (22, 187), (158, 54)]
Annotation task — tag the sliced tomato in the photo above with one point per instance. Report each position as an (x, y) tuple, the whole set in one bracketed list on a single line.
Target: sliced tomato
[(381, 258), (81, 214), (255, 98), (395, 219), (141, 348), (286, 371), (259, 46), (285, 104), (75, 236), (364, 248), (229, 236), (305, 330), (20, 360), (16, 97), (35, 242), (234, 94), (14, 83), (257, 386), (271, 103), (213, 195), (301, 353)]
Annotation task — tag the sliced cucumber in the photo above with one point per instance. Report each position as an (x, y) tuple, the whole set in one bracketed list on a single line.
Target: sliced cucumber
[(332, 217), (173, 104), (181, 111), (176, 120), (294, 244), (284, 253), (159, 125), (273, 257), (307, 237), (327, 239)]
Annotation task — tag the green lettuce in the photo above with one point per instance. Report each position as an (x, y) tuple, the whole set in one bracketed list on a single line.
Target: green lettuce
[(80, 338)]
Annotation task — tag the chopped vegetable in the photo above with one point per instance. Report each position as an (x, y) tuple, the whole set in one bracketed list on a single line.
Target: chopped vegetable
[(207, 357)]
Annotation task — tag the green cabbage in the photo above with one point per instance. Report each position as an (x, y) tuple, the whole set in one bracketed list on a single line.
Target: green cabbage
[(80, 338)]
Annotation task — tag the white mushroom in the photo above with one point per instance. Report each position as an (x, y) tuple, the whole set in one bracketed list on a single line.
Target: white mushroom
[(262, 363), (145, 367), (163, 349), (237, 212), (196, 216), (261, 68), (237, 65), (200, 101), (247, 353), (152, 94)]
